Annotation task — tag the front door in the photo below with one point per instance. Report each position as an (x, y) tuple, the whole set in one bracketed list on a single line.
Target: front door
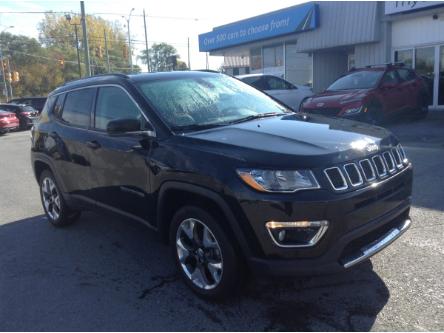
[(119, 162)]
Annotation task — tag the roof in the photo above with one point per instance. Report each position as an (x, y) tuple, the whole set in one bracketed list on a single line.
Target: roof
[(120, 78)]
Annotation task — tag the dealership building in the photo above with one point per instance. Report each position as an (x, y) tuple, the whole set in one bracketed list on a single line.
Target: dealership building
[(316, 42)]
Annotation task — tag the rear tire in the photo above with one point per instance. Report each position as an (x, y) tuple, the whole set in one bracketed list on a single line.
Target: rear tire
[(55, 207), (204, 254)]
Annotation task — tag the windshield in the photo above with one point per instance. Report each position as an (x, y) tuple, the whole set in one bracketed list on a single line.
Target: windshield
[(207, 101), (357, 80)]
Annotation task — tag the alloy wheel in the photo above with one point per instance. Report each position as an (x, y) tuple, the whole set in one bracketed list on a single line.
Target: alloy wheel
[(51, 198), (199, 254)]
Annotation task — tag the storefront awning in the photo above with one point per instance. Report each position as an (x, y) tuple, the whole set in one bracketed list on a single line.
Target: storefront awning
[(285, 21)]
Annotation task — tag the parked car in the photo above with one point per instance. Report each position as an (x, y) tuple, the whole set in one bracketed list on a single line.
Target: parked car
[(8, 122), (373, 94), (231, 179), (26, 114), (284, 91), (36, 102)]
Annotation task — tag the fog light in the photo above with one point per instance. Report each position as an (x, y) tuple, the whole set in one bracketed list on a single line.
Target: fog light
[(296, 234)]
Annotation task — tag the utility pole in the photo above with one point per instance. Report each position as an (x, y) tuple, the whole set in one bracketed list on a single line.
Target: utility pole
[(206, 58), (189, 65), (85, 38), (146, 43), (4, 75), (106, 51), (10, 83)]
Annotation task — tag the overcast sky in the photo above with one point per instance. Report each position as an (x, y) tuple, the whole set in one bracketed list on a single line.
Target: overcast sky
[(171, 21)]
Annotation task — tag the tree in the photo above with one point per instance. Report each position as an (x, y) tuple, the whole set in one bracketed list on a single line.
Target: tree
[(163, 57), (58, 32)]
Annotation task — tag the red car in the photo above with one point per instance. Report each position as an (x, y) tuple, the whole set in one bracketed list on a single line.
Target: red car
[(373, 94), (8, 122)]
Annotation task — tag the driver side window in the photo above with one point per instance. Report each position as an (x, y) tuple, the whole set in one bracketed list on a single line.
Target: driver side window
[(114, 103), (275, 83), (390, 78)]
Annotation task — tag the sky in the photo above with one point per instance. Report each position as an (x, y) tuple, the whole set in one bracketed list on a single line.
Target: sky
[(171, 21)]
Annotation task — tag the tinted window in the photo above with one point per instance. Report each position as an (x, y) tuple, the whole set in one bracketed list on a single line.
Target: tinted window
[(275, 83), (49, 104), (256, 81), (357, 80), (59, 105), (406, 74), (114, 103), (77, 107), (206, 100), (390, 78)]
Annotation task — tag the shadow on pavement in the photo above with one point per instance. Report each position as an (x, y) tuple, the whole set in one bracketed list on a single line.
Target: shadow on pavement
[(105, 273)]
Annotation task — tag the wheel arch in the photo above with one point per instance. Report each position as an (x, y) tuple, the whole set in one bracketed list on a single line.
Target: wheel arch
[(174, 195)]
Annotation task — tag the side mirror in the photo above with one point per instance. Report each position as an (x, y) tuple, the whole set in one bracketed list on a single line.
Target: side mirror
[(121, 126)]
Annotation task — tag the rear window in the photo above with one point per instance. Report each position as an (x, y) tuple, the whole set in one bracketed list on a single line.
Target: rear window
[(77, 107)]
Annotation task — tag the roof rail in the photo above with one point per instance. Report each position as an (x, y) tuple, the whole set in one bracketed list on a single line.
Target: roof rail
[(387, 65), (98, 75)]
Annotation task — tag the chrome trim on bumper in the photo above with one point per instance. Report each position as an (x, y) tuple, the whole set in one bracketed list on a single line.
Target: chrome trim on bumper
[(373, 248)]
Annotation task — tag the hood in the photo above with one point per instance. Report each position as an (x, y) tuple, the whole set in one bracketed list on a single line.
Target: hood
[(336, 98), (297, 138)]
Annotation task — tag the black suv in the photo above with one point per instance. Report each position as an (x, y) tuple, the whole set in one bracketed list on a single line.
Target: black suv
[(230, 178)]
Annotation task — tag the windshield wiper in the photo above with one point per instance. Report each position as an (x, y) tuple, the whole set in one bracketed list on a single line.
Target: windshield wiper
[(195, 127), (256, 116)]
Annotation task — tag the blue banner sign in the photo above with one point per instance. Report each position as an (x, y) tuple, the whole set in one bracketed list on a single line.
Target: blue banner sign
[(289, 20)]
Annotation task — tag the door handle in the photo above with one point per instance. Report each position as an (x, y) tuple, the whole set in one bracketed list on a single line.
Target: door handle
[(93, 144)]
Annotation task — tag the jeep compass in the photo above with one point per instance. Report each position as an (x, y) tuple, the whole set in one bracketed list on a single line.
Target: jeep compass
[(232, 180)]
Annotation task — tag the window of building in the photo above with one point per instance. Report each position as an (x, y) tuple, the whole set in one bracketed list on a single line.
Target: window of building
[(114, 103), (256, 59), (351, 61), (273, 56), (77, 108), (405, 56), (298, 66)]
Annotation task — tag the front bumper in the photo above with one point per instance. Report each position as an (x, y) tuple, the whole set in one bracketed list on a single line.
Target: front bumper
[(357, 221), (351, 249)]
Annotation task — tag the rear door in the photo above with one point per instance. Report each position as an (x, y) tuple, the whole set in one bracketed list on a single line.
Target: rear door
[(391, 92), (70, 136), (120, 162)]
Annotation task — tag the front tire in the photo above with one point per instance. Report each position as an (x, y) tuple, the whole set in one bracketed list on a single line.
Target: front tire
[(374, 115), (204, 254), (55, 207)]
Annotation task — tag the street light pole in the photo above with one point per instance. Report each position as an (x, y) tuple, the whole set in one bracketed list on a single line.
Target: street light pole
[(129, 39)]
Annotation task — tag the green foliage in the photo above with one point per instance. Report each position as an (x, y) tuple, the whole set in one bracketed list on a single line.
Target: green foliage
[(161, 57), (50, 61)]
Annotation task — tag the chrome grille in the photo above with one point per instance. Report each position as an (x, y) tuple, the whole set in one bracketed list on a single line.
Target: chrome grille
[(389, 161), (368, 170), (380, 168), (353, 174), (336, 178)]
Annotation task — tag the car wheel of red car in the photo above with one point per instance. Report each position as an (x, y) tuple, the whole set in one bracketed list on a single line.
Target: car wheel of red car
[(374, 115)]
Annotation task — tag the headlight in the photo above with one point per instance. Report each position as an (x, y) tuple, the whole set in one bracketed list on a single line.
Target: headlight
[(279, 181), (352, 111)]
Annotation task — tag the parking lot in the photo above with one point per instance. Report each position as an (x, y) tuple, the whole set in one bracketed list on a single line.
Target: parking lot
[(106, 273)]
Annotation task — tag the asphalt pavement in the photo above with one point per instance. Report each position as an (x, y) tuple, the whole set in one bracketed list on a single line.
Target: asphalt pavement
[(109, 274)]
